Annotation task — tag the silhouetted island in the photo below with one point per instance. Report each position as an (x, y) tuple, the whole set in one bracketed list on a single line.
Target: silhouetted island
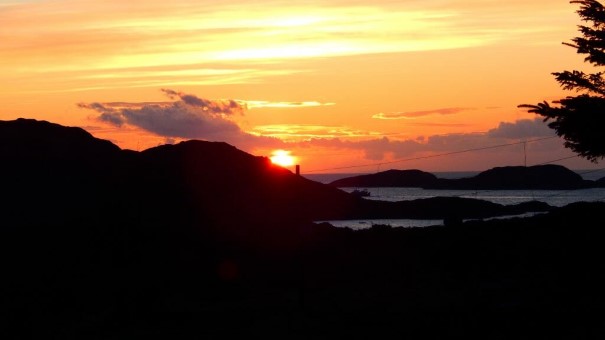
[(539, 177), (389, 178), (201, 240), (45, 159)]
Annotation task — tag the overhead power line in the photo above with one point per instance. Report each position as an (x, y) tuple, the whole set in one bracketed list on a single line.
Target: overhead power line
[(556, 160), (432, 156)]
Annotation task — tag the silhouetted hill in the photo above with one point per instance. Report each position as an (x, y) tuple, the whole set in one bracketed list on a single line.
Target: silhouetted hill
[(201, 240), (539, 177), (26, 138), (223, 179), (445, 207), (42, 159), (194, 180), (547, 177), (54, 173), (389, 178)]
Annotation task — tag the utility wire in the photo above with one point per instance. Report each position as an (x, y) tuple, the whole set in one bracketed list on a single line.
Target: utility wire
[(543, 163), (432, 156), (524, 142), (556, 160), (561, 193)]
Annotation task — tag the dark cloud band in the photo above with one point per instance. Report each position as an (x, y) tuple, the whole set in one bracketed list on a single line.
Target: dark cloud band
[(188, 117)]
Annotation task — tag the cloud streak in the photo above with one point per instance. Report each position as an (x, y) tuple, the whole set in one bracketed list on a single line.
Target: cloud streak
[(302, 132), (193, 117), (228, 107), (505, 135), (461, 152), (175, 120), (253, 104), (189, 117), (154, 32), (520, 129), (416, 114)]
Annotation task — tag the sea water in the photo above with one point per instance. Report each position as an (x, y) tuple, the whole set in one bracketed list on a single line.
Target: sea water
[(556, 198)]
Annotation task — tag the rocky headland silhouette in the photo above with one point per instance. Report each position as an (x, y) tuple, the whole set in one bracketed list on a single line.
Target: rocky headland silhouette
[(538, 177), (201, 240), (42, 159)]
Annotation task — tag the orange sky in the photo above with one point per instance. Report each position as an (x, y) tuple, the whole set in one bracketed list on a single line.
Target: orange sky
[(338, 83)]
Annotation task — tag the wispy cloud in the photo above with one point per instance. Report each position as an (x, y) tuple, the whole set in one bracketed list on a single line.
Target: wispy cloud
[(302, 132), (90, 36), (432, 124), (416, 114), (252, 104), (379, 149)]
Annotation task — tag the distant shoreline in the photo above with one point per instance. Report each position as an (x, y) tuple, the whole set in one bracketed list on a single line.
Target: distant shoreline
[(325, 178)]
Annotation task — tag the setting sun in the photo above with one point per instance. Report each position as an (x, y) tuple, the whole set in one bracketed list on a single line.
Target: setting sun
[(282, 158), (340, 84)]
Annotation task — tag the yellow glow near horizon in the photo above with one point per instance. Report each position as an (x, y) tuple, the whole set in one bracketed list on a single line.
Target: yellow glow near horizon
[(308, 72), (282, 158), (162, 36)]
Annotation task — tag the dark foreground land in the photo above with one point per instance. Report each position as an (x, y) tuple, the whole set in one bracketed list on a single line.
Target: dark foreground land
[(101, 243)]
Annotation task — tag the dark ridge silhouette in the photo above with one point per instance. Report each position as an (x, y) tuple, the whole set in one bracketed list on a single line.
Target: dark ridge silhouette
[(546, 177), (52, 173), (41, 159), (201, 240), (389, 178), (539, 177), (444, 207), (223, 178), (195, 178)]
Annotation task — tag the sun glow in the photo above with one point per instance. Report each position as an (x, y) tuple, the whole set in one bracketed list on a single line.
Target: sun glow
[(282, 158)]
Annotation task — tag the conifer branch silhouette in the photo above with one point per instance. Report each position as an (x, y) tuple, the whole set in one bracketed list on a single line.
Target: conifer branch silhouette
[(579, 120)]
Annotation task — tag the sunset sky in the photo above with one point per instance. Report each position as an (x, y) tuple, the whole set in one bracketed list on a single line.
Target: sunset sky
[(338, 83)]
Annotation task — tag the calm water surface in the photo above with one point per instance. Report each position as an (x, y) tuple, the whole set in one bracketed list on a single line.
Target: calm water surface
[(557, 198)]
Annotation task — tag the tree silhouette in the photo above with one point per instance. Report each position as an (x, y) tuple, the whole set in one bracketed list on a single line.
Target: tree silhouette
[(580, 119)]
